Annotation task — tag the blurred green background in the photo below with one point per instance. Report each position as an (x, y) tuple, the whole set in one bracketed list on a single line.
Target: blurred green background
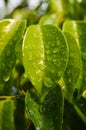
[(51, 11)]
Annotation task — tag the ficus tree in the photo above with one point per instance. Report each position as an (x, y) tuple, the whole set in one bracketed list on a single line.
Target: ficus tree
[(42, 69)]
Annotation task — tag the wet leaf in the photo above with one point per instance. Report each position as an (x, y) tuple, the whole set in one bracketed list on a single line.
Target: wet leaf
[(11, 32), (47, 115), (78, 29), (45, 55), (73, 70)]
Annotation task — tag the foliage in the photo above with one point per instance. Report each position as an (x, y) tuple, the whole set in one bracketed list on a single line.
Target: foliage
[(43, 66)]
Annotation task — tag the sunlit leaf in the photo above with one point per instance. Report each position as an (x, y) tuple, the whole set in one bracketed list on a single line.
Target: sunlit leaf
[(11, 32), (45, 55)]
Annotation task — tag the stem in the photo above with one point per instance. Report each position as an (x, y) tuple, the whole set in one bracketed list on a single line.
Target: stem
[(9, 97)]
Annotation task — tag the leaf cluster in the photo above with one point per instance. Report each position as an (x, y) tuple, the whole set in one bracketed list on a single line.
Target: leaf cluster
[(43, 67)]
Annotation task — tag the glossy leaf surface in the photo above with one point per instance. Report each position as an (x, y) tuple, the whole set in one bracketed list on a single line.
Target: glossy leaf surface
[(47, 115), (73, 70), (11, 32), (45, 55), (78, 29)]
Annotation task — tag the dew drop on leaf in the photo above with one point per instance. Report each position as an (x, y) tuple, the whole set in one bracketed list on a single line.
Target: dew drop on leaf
[(55, 50), (47, 51), (48, 58), (41, 108), (6, 78)]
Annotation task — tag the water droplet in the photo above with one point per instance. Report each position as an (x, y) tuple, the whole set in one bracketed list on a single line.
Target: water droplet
[(41, 62), (69, 80), (42, 67), (38, 72), (6, 78), (55, 50), (63, 87), (42, 55), (42, 109), (68, 72), (53, 71), (47, 51), (31, 112)]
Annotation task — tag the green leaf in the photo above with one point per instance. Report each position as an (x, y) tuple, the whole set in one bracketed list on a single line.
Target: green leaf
[(11, 32), (57, 6), (49, 114), (78, 29), (73, 70), (65, 9), (18, 51), (6, 115), (80, 106), (48, 19), (45, 55)]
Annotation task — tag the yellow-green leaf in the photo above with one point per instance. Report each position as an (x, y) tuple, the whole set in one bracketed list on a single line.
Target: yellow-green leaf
[(11, 32), (45, 55)]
